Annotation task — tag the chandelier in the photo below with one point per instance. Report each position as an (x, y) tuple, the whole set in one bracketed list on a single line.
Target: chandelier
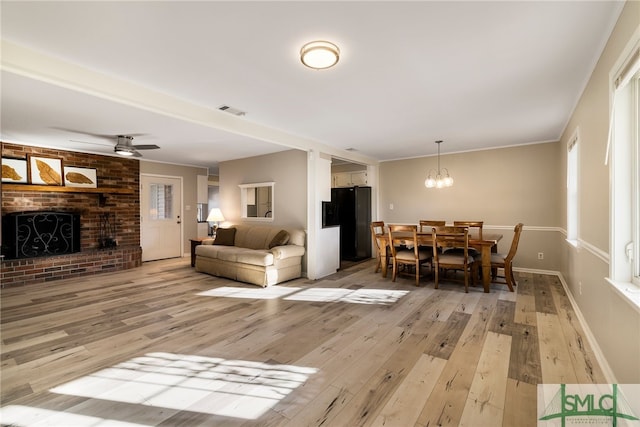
[(439, 181)]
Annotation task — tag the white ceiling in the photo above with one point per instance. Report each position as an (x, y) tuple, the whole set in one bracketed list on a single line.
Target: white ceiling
[(474, 74)]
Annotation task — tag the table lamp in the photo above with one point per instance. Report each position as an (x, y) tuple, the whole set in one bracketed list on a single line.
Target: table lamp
[(215, 215)]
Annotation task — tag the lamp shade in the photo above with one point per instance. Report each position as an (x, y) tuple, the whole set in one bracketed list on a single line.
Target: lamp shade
[(215, 215)]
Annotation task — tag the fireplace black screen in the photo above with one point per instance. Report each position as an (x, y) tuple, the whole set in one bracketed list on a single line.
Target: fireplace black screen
[(37, 234)]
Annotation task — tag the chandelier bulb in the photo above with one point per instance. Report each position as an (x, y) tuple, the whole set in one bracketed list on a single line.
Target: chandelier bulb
[(439, 181)]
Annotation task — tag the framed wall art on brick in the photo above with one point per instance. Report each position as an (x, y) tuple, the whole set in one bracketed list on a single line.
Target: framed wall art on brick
[(45, 170), (14, 170), (80, 177)]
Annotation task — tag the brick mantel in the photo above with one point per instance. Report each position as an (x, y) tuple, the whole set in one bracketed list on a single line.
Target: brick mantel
[(121, 176)]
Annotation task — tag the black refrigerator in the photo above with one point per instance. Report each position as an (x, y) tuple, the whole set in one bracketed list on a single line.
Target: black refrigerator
[(353, 211)]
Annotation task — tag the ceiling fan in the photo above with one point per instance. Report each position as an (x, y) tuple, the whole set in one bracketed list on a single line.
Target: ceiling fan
[(125, 146), (124, 143)]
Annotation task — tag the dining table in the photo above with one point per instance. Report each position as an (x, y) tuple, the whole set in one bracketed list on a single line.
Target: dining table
[(486, 245)]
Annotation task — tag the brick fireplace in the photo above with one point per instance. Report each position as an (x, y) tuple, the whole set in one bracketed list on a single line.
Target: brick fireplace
[(116, 198), (40, 233)]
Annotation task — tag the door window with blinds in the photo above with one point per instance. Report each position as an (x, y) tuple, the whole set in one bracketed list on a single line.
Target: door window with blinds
[(623, 157), (160, 201)]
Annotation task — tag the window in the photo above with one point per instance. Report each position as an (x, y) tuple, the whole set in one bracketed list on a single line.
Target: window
[(625, 174), (572, 189)]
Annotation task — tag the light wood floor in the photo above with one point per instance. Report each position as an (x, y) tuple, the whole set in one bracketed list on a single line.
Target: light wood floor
[(163, 345)]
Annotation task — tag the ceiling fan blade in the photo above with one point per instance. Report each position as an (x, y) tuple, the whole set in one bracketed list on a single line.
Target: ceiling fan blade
[(92, 143), (99, 135), (145, 147), (122, 141), (95, 135)]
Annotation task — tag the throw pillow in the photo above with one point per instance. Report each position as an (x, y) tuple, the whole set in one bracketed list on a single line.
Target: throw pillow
[(225, 236), (282, 238)]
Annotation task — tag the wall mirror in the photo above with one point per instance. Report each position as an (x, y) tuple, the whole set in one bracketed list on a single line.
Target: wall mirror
[(256, 201)]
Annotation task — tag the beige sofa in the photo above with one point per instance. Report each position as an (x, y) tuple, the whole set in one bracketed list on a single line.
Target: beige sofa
[(251, 259)]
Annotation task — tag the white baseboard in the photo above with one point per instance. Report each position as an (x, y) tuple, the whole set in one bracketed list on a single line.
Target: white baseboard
[(536, 271)]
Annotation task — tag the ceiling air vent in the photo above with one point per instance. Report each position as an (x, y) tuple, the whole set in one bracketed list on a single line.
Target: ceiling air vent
[(231, 110)]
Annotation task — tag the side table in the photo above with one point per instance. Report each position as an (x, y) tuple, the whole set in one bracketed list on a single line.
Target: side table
[(195, 242)]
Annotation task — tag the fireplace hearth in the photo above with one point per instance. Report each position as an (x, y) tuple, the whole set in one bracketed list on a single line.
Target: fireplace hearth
[(40, 234)]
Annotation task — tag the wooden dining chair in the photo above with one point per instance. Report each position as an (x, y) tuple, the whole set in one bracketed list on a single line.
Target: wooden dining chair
[(475, 227), (427, 225), (378, 231), (505, 261), (475, 231), (452, 237), (403, 242)]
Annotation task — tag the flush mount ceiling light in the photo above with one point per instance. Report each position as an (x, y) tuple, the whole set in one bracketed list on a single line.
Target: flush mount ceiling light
[(319, 54), (124, 151), (439, 181)]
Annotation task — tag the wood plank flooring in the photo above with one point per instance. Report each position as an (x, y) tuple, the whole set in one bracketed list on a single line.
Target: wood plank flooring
[(162, 345)]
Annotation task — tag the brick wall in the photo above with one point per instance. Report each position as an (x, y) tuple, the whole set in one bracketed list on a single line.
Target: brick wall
[(114, 172)]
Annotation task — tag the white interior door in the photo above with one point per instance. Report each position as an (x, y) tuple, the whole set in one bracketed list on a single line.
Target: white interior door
[(161, 218)]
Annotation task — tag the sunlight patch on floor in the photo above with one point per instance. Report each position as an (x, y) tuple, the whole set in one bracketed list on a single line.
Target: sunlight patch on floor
[(23, 416), (353, 296), (232, 388), (271, 292)]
